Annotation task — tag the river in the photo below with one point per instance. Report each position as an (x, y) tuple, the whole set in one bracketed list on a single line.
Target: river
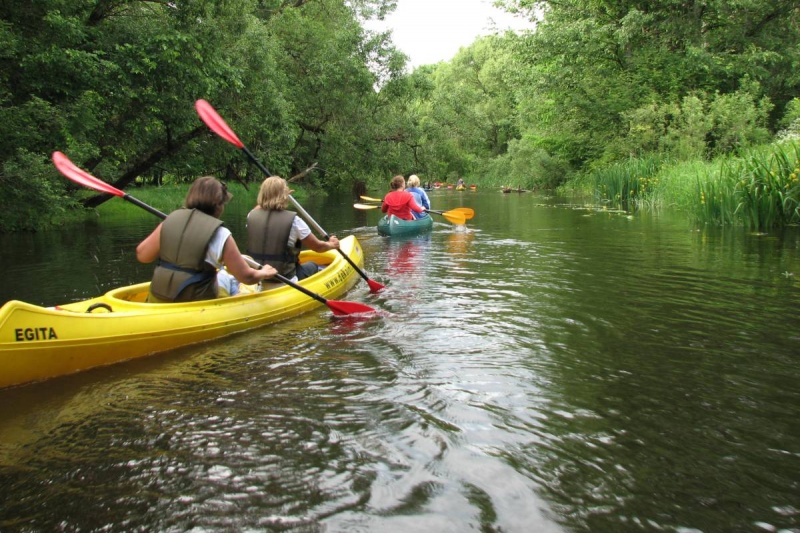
[(552, 367)]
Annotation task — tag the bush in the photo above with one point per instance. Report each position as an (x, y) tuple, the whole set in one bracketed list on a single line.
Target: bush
[(699, 127)]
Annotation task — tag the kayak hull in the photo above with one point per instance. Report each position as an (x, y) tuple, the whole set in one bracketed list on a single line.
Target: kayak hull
[(37, 343), (393, 226)]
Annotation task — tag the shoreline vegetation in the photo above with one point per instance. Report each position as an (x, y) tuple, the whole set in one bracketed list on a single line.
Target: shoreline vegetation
[(758, 190), (169, 197)]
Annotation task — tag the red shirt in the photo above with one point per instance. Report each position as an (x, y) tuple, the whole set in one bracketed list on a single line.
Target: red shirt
[(400, 204)]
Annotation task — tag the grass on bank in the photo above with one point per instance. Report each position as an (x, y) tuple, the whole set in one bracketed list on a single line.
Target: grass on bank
[(758, 189), (169, 197)]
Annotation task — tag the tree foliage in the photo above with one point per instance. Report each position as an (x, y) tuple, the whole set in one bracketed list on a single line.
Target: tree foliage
[(598, 68), (112, 83)]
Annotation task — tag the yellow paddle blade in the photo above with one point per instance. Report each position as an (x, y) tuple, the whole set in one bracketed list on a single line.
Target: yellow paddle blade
[(455, 217), (370, 199), (468, 212), (365, 206)]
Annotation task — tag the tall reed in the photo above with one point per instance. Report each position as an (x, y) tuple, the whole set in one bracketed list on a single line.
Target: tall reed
[(628, 184), (759, 190), (715, 196)]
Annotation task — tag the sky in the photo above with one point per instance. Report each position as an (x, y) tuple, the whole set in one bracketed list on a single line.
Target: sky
[(430, 31)]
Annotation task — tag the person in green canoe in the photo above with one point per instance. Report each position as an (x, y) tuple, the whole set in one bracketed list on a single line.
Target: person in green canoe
[(420, 196), (399, 202), (192, 245)]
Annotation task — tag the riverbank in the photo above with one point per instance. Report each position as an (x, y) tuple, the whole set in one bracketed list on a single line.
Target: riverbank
[(758, 189), (170, 197)]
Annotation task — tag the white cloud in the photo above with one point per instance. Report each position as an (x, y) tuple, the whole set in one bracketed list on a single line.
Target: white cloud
[(429, 31)]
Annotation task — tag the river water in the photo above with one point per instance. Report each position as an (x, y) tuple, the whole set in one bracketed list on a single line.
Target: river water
[(554, 367)]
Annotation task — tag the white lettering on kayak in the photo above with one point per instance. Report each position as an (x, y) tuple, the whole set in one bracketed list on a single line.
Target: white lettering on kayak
[(339, 278)]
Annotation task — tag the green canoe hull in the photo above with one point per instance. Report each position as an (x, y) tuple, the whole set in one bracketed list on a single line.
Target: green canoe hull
[(392, 226)]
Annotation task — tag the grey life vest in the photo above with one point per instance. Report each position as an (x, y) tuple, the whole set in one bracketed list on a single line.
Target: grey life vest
[(182, 274), (268, 239)]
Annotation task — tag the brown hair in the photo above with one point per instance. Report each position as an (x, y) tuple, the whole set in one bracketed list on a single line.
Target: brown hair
[(208, 195), (398, 182), (273, 194)]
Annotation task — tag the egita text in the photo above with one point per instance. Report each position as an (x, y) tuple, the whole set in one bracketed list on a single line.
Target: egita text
[(41, 333)]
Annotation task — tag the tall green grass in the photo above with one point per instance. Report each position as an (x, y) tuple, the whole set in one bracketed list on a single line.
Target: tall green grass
[(759, 189), (629, 184), (714, 197), (170, 197), (165, 198)]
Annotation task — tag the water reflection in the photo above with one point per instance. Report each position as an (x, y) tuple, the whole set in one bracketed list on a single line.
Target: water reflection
[(406, 255), (458, 242)]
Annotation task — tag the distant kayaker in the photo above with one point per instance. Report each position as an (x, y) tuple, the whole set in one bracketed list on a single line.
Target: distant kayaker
[(399, 202), (420, 196), (192, 244), (276, 236)]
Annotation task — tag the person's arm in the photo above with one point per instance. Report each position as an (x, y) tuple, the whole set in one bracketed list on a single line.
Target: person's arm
[(310, 241), (320, 246), (414, 206), (426, 202), (147, 251), (238, 267)]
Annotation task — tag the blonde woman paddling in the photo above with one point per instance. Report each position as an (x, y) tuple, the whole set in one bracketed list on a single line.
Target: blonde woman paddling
[(420, 196), (275, 235)]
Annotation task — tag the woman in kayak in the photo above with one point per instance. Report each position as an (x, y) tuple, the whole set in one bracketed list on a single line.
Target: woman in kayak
[(275, 235), (420, 196), (192, 244), (399, 202)]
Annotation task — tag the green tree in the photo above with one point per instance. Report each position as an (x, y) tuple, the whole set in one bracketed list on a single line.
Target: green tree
[(590, 65), (112, 84)]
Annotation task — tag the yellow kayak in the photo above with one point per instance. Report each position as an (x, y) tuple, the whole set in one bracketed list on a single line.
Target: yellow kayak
[(37, 343)]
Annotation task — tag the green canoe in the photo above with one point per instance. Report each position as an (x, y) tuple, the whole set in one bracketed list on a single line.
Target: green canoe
[(392, 226)]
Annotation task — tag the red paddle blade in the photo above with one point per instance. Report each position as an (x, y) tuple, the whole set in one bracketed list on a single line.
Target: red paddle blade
[(78, 175), (339, 307), (374, 286), (217, 124)]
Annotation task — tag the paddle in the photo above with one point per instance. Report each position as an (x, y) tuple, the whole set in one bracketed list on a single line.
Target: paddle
[(454, 216), (469, 213), (78, 175), (218, 125)]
